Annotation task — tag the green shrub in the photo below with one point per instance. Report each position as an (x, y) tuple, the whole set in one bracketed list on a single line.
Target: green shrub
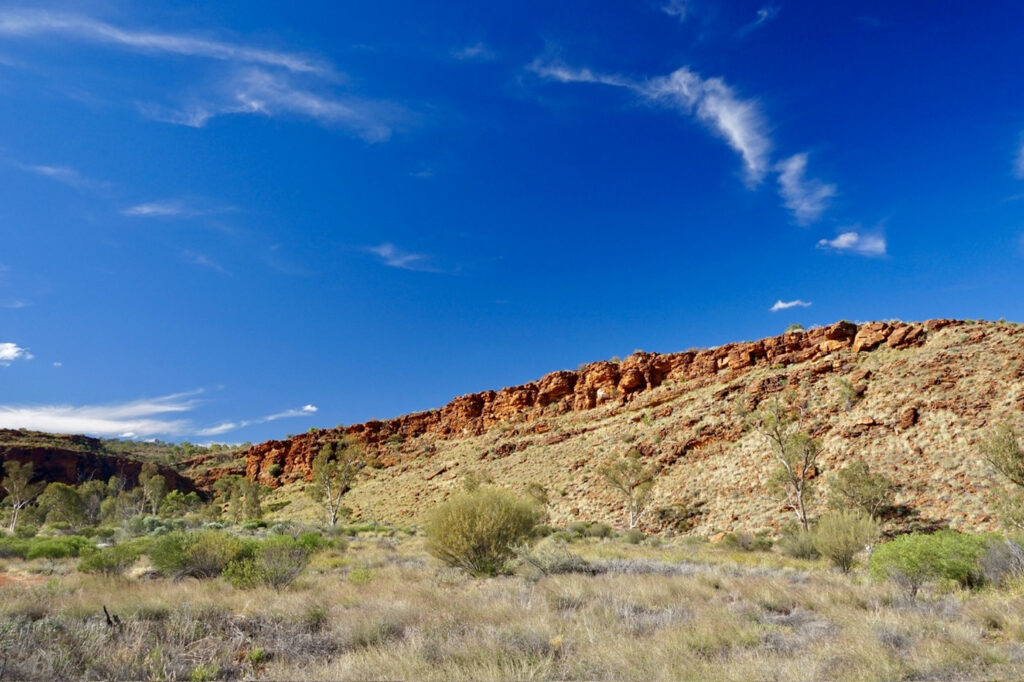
[(275, 470), (111, 560), (839, 535), (632, 536), (542, 531), (361, 576), (58, 548), (204, 554), (599, 530), (477, 531), (577, 528), (26, 530), (745, 541), (912, 560), (797, 543), (275, 562), (14, 547)]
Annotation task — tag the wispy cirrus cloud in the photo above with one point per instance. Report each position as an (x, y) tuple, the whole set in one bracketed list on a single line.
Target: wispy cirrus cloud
[(173, 208), (143, 418), (9, 352), (710, 100), (203, 261), (806, 198), (857, 242), (478, 51), (63, 174), (227, 427), (786, 305), (132, 419), (40, 22), (735, 119), (251, 81), (393, 257), (764, 15), (677, 9), (1018, 162)]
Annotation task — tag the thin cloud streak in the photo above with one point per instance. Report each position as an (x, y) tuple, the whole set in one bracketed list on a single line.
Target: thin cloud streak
[(227, 427), (134, 419), (786, 305), (33, 22), (677, 9), (764, 15), (393, 257), (62, 174), (204, 261), (711, 101), (806, 198)]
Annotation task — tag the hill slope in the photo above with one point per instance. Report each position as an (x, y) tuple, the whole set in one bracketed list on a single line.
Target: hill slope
[(924, 393)]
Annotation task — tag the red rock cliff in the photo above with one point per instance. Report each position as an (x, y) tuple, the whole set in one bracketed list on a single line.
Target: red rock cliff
[(586, 388)]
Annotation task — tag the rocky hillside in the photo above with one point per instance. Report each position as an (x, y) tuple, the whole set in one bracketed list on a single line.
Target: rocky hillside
[(921, 393), (76, 459)]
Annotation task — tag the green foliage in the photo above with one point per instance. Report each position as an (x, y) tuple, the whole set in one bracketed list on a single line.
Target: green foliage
[(840, 534), (1002, 449), (633, 479), (795, 327), (912, 560), (855, 487), (361, 576), (334, 471), (203, 554), (62, 503), (110, 561), (44, 548), (477, 531), (632, 536), (275, 470), (797, 543), (18, 488), (275, 562), (745, 541)]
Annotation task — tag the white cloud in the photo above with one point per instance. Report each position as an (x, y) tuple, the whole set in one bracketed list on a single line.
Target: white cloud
[(58, 364), (764, 15), (9, 352), (259, 81), (856, 242), (139, 418), (394, 257), (163, 209), (806, 198), (260, 92), (738, 121), (786, 305), (145, 418), (476, 52), (225, 427), (712, 101), (204, 261), (676, 8), (63, 174), (32, 22)]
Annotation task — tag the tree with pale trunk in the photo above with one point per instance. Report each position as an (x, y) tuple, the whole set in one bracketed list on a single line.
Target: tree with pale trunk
[(334, 471), (18, 488), (634, 479)]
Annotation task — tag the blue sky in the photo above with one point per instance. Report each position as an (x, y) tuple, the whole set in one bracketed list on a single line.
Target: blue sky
[(234, 222)]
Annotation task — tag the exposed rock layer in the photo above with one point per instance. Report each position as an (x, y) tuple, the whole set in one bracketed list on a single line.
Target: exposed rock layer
[(591, 386)]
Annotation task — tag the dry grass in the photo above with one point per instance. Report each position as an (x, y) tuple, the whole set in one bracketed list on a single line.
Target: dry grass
[(384, 610)]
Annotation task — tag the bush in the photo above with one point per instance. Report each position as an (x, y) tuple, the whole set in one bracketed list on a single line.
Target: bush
[(199, 555), (599, 530), (477, 531), (58, 548), (25, 531), (577, 528), (276, 562), (797, 543), (110, 561), (748, 542), (912, 560), (1003, 562), (839, 535), (13, 547), (632, 536), (275, 470)]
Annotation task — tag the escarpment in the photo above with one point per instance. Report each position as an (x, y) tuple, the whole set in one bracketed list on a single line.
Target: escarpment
[(597, 384)]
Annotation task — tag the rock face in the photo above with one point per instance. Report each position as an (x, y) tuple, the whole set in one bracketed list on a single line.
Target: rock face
[(596, 384), (80, 460)]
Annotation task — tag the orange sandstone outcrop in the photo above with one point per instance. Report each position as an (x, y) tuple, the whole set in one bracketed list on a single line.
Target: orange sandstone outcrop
[(591, 385)]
